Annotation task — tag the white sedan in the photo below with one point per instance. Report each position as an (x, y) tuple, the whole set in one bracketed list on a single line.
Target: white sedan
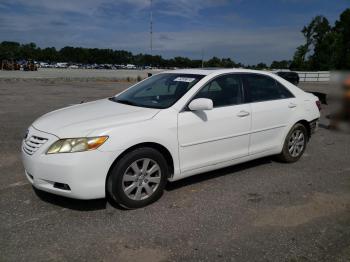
[(167, 127)]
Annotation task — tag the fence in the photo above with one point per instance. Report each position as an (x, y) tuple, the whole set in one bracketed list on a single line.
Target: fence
[(320, 76)]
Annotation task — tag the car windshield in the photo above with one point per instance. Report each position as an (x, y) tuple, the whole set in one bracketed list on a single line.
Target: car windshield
[(159, 91)]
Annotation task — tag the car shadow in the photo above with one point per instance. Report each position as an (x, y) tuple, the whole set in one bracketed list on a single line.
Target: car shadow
[(70, 203), (217, 173), (100, 204), (321, 125)]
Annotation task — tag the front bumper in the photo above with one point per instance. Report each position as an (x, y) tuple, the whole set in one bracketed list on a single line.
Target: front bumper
[(80, 175)]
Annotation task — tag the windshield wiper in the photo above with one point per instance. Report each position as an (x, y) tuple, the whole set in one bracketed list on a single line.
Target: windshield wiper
[(128, 102), (123, 101)]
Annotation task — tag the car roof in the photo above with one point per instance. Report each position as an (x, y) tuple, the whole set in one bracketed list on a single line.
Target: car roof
[(215, 71), (211, 72)]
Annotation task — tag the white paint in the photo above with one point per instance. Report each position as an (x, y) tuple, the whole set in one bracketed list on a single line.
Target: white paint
[(198, 141), (201, 104)]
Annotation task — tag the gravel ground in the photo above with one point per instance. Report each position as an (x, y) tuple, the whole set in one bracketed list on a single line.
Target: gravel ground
[(258, 211), (81, 74)]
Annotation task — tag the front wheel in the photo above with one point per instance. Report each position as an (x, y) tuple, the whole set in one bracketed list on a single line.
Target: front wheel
[(138, 179), (294, 144)]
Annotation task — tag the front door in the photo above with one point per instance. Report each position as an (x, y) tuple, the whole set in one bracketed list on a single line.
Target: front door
[(218, 135)]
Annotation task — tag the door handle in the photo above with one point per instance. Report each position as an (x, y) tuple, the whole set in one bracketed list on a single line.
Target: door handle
[(292, 105), (243, 113)]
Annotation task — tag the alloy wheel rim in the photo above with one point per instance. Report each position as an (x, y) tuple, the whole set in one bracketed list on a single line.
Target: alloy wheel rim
[(296, 143), (141, 179)]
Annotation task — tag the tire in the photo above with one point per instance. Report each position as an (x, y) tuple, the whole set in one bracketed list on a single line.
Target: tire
[(131, 185), (294, 145)]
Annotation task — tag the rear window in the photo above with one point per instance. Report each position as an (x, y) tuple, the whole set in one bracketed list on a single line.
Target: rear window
[(264, 88)]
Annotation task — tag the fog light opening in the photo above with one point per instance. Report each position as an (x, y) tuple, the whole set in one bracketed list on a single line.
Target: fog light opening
[(61, 186)]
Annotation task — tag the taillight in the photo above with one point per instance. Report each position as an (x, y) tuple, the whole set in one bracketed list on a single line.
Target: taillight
[(318, 103)]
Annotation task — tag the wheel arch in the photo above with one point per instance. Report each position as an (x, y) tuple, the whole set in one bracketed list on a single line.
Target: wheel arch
[(162, 149), (305, 123), (307, 126)]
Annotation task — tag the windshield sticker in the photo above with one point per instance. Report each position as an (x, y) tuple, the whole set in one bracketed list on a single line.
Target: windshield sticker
[(184, 79)]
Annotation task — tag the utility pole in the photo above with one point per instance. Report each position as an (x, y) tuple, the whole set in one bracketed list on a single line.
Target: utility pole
[(151, 28), (202, 58)]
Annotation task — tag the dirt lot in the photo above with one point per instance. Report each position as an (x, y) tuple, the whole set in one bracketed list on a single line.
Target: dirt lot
[(81, 74), (258, 211)]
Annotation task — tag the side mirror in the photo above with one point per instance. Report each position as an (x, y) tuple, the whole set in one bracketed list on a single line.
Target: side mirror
[(201, 104)]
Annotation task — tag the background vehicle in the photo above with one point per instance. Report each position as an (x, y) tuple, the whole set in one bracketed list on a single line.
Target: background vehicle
[(30, 66), (9, 65), (130, 66), (167, 127), (292, 77)]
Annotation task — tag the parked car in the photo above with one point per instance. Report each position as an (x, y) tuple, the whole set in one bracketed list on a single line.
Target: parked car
[(61, 65), (73, 66), (290, 76), (167, 127), (130, 66), (9, 65), (30, 65)]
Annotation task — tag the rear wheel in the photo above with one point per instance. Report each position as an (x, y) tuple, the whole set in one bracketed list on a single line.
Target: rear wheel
[(294, 144), (138, 179)]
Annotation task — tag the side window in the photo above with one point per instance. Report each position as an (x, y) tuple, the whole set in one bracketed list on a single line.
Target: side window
[(263, 88), (284, 92), (224, 91)]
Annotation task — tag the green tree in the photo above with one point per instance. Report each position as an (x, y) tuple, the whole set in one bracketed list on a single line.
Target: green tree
[(322, 41), (29, 51), (261, 66), (325, 47), (213, 62), (227, 63), (314, 54), (299, 59), (9, 50), (342, 42), (48, 54), (284, 64)]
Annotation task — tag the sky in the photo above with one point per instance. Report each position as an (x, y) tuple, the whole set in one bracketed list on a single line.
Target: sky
[(247, 31)]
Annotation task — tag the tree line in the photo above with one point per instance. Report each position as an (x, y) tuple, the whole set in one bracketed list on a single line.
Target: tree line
[(326, 47), (16, 51)]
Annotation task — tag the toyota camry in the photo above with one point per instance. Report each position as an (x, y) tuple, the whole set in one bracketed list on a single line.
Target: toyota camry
[(167, 127)]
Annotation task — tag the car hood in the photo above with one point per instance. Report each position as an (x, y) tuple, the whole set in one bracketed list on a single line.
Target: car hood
[(82, 119)]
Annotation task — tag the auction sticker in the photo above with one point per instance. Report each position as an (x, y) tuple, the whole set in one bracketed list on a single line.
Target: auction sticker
[(184, 79)]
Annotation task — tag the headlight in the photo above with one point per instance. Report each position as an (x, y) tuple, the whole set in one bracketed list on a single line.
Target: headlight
[(71, 145)]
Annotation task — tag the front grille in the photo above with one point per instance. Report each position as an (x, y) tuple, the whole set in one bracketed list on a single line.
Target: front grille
[(31, 145)]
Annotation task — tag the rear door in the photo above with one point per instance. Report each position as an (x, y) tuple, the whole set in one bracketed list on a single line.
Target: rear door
[(217, 135), (273, 106)]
